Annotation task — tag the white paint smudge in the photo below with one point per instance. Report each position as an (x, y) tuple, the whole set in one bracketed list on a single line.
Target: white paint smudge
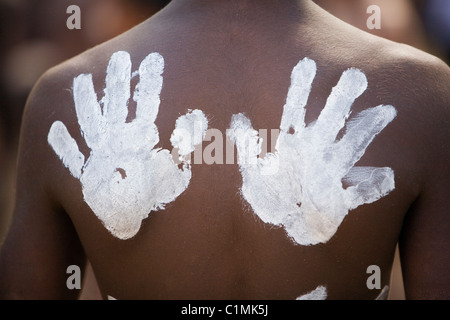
[(320, 293), (305, 194), (190, 130), (124, 178), (384, 294)]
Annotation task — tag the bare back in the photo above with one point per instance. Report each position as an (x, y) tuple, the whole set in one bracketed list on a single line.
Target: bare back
[(216, 234)]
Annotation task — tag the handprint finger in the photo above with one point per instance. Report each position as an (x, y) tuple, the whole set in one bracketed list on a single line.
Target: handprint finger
[(147, 93), (88, 109), (337, 109), (246, 139), (367, 184), (361, 131), (117, 90), (66, 148), (190, 130), (294, 110)]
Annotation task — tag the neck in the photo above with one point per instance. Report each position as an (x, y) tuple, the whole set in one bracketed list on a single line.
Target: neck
[(243, 8)]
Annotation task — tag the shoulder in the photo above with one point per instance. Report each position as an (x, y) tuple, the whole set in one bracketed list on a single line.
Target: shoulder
[(51, 100), (423, 71), (415, 82), (386, 57), (422, 82), (419, 72), (393, 69)]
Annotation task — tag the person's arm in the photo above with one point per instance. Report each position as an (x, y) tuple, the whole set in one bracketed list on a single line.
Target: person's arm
[(42, 242), (425, 241)]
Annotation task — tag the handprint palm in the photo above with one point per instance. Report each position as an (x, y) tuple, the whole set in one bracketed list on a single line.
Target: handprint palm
[(124, 177), (305, 192)]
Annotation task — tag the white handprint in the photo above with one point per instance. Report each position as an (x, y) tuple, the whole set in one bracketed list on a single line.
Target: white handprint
[(124, 177), (300, 186)]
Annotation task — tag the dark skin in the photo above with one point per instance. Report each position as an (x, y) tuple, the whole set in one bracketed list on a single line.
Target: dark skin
[(227, 57)]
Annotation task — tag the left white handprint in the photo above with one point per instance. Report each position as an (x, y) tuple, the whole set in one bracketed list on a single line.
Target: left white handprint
[(125, 176)]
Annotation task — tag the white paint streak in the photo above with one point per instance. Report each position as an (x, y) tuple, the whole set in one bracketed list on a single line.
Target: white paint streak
[(320, 293), (305, 192), (125, 177)]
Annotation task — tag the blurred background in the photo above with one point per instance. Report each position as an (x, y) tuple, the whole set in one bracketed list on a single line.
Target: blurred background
[(34, 37)]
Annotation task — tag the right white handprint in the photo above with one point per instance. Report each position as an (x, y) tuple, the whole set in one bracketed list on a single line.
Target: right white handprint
[(301, 185)]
